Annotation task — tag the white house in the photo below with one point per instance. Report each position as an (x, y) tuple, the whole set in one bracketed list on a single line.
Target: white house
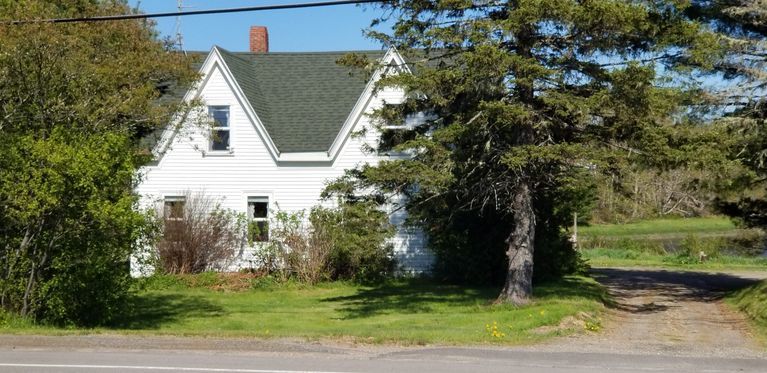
[(285, 124)]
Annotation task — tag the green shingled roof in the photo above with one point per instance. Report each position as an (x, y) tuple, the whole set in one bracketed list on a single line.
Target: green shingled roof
[(303, 99)]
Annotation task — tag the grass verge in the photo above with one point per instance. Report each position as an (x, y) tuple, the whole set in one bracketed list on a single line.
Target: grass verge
[(753, 302), (404, 312)]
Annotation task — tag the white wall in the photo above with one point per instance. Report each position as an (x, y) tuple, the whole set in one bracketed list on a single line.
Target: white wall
[(250, 169)]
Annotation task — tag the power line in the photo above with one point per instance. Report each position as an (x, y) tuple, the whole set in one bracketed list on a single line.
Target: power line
[(193, 13)]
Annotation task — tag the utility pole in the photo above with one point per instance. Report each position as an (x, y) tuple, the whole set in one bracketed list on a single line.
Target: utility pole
[(179, 36)]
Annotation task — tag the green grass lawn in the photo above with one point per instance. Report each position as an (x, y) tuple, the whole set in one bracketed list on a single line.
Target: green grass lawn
[(753, 302), (406, 312), (679, 226)]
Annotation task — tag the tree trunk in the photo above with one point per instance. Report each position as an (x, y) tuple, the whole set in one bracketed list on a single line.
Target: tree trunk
[(519, 280), (518, 288)]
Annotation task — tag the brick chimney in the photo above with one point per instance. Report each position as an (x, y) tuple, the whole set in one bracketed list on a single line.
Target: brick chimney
[(259, 39)]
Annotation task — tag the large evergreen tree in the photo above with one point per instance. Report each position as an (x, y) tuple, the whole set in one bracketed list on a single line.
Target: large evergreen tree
[(525, 98)]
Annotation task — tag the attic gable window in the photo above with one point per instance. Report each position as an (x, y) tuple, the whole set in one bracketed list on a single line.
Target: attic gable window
[(219, 140)]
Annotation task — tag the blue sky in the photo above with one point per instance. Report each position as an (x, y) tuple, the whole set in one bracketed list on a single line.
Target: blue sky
[(311, 29)]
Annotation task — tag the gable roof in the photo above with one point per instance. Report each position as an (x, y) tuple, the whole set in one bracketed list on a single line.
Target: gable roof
[(302, 99)]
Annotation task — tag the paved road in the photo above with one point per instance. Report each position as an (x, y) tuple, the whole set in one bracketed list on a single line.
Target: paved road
[(446, 360)]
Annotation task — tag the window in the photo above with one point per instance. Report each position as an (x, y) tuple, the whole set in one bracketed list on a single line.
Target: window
[(173, 209), (220, 132), (173, 214), (258, 219)]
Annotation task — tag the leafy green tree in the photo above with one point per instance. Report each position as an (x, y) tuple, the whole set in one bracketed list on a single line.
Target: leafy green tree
[(75, 99), (523, 97)]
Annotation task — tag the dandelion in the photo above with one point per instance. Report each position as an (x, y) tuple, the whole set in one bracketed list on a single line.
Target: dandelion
[(493, 331)]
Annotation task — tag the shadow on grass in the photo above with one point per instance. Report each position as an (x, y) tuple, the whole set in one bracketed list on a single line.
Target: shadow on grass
[(152, 311), (419, 296), (572, 287), (410, 296)]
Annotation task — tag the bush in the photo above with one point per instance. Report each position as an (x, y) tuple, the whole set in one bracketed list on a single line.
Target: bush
[(303, 251), (67, 229), (360, 234), (748, 242), (75, 102), (349, 242), (200, 237), (693, 247)]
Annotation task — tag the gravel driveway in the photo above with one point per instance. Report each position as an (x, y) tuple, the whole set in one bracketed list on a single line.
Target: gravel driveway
[(667, 312)]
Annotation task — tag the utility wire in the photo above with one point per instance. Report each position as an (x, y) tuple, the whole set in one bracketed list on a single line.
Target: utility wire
[(193, 12)]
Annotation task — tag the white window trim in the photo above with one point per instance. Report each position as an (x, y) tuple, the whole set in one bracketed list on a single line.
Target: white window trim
[(230, 150), (172, 198), (269, 196)]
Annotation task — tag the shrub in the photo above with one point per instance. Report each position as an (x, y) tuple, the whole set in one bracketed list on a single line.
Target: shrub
[(692, 247), (199, 236), (748, 242), (303, 251), (67, 227), (349, 242), (75, 102), (359, 233), (268, 258)]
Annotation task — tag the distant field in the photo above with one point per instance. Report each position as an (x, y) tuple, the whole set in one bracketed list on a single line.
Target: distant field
[(657, 227), (673, 243), (606, 257)]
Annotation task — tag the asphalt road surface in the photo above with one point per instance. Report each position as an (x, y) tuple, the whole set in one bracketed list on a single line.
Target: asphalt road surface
[(419, 360)]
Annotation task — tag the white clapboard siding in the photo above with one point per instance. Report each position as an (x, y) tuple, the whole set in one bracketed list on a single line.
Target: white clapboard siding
[(251, 170)]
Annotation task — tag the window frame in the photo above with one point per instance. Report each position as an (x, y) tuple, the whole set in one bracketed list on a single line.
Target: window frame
[(173, 217), (215, 128), (252, 219), (167, 207)]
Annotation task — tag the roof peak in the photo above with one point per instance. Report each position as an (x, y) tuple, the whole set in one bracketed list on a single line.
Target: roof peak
[(383, 50), (302, 99)]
